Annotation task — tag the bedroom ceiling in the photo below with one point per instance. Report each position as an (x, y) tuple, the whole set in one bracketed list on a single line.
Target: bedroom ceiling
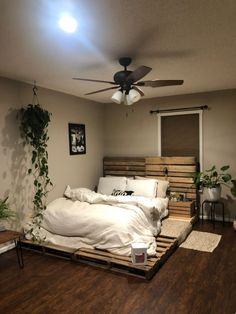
[(193, 40)]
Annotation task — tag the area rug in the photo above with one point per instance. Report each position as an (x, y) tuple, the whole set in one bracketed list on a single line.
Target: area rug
[(201, 241), (176, 228)]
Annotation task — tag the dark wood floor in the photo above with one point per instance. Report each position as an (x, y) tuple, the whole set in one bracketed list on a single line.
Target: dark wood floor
[(189, 282)]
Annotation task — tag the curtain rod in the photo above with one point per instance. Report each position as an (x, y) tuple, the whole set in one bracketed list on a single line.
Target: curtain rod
[(180, 109)]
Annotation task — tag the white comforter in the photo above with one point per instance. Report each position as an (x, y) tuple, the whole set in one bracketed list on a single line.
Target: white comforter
[(89, 219)]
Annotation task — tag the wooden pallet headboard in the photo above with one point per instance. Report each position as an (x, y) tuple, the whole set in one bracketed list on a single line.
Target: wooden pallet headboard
[(178, 171)]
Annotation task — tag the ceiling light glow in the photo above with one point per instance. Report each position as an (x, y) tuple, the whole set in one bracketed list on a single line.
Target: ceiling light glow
[(68, 23)]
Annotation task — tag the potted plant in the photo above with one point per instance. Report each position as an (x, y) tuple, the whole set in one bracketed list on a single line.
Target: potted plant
[(212, 179), (5, 211)]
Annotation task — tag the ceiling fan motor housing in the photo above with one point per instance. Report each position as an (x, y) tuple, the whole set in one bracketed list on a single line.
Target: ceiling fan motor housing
[(120, 79)]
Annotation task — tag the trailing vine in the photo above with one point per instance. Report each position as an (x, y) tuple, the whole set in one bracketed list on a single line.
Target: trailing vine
[(34, 129)]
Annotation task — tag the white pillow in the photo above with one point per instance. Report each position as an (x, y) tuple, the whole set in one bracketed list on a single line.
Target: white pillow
[(107, 184), (145, 178), (162, 186), (144, 187)]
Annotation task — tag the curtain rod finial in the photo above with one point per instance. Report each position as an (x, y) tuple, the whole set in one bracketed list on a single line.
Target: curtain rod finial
[(154, 111)]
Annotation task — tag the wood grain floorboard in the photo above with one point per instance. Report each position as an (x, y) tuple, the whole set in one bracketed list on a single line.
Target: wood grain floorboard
[(189, 282)]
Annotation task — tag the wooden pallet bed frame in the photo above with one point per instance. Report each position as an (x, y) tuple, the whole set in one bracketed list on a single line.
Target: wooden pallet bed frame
[(179, 172), (100, 258)]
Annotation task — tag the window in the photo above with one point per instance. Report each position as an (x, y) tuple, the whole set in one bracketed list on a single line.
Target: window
[(180, 134)]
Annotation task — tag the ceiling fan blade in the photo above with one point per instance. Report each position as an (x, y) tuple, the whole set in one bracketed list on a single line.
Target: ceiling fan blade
[(102, 90), (138, 90), (159, 83), (91, 80), (137, 74)]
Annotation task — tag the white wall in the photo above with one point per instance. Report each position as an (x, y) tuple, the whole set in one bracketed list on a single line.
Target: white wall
[(75, 170), (133, 131)]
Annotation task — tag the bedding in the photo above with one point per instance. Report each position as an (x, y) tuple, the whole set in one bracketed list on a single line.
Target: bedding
[(84, 218)]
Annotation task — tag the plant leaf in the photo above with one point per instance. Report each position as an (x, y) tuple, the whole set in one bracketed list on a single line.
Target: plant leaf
[(226, 177), (224, 168), (212, 169)]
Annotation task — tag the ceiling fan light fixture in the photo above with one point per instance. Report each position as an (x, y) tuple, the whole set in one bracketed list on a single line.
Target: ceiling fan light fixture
[(134, 95), (117, 97), (128, 101)]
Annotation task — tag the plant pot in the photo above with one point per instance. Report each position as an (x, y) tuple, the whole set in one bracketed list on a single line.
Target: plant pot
[(212, 194)]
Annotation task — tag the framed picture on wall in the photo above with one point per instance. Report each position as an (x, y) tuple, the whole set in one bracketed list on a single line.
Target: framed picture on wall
[(77, 140)]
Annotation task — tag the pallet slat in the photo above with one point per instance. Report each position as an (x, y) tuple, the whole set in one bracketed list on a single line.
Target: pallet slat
[(180, 204), (124, 173), (51, 246), (174, 168), (174, 174), (183, 189), (125, 168), (109, 260), (113, 257), (171, 160), (183, 185), (172, 179)]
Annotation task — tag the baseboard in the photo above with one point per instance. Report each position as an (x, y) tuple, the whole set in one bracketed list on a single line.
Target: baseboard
[(7, 247)]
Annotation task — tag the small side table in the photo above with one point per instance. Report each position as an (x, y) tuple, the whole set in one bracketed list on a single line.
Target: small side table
[(212, 205), (9, 235)]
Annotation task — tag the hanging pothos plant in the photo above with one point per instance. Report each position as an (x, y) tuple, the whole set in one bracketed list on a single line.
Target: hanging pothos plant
[(34, 128)]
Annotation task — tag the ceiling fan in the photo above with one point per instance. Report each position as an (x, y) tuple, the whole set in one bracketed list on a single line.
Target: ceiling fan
[(128, 82)]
